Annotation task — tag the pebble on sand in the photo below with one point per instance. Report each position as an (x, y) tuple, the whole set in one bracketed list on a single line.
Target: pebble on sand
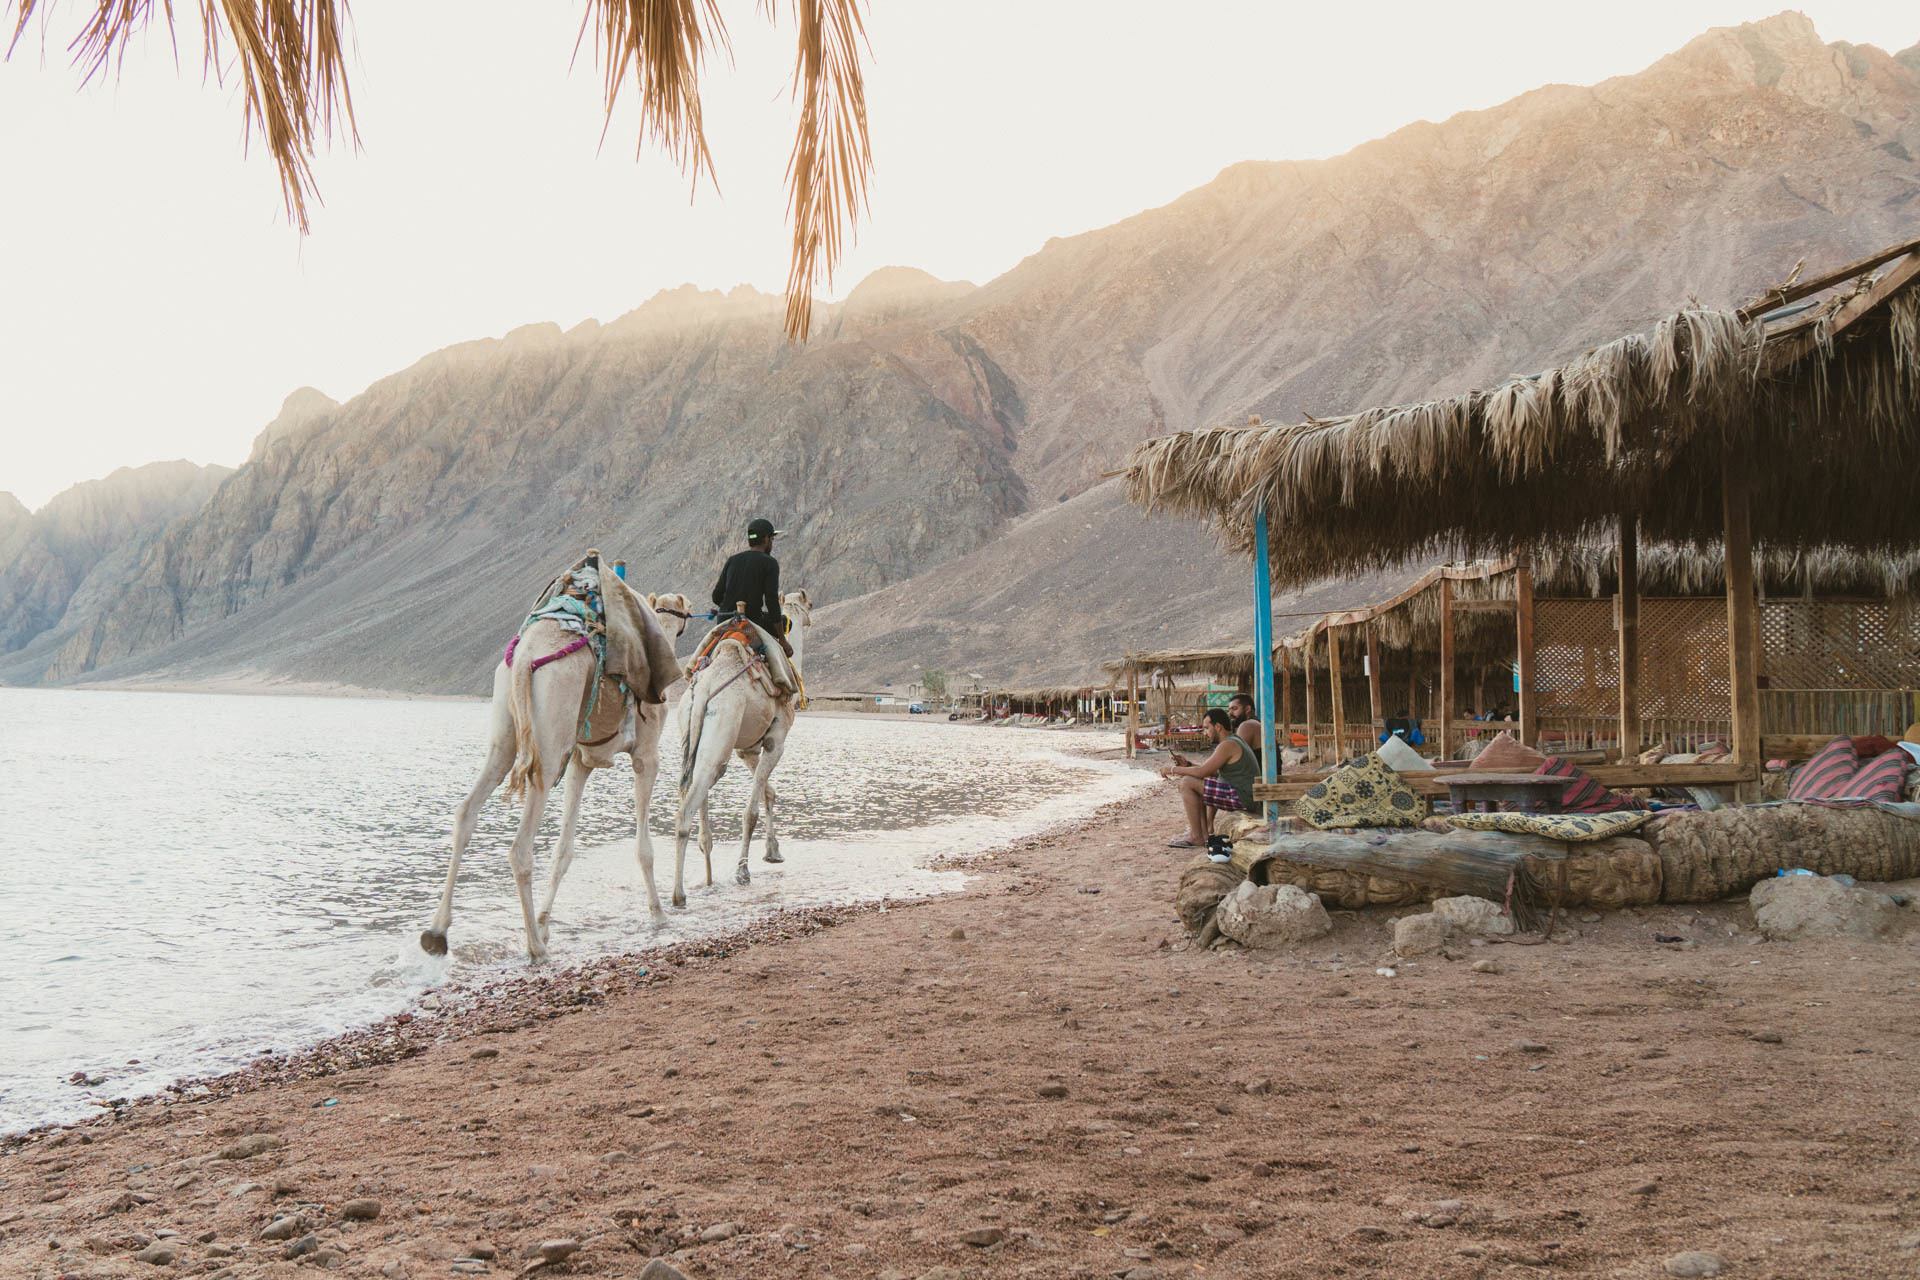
[(983, 1237), (1695, 1265), (558, 1250), (1530, 1046), (283, 1228), (252, 1145), (361, 1210), (304, 1245), (719, 1231), (1486, 966), (1053, 1091), (661, 1269), (159, 1253)]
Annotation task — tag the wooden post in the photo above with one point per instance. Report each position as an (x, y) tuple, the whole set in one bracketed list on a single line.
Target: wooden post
[(1374, 698), (1133, 711), (1529, 710), (1413, 693), (1313, 716), (1445, 713), (1743, 614), (1286, 702), (1334, 683), (1626, 604)]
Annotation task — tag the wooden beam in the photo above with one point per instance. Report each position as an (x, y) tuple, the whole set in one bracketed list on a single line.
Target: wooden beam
[(1626, 609), (1375, 702), (1446, 669), (1608, 775), (1529, 709), (1787, 295), (1483, 606), (1796, 340), (1743, 612)]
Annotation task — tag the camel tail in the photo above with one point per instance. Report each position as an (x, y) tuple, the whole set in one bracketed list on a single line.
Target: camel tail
[(526, 744)]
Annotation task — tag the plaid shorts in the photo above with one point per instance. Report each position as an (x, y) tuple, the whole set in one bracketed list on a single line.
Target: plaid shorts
[(1221, 795)]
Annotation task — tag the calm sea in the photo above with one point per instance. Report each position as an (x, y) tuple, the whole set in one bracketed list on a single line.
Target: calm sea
[(188, 879)]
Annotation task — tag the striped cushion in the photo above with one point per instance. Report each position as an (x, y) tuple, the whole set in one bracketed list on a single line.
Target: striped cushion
[(1837, 773), (1583, 794)]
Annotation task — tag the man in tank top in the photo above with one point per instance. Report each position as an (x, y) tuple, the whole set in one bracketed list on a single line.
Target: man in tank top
[(1224, 780)]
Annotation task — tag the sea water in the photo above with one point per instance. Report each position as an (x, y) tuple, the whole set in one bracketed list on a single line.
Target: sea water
[(190, 879)]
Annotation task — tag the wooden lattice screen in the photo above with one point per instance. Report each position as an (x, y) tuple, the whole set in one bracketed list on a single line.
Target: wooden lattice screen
[(1683, 658), (1576, 660), (1840, 644)]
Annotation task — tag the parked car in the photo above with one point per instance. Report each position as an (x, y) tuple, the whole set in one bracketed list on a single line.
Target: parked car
[(916, 708)]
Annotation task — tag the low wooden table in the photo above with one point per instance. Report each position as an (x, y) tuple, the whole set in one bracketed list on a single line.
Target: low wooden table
[(1490, 792)]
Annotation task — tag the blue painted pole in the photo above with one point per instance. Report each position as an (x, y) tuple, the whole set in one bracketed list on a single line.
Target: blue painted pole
[(1263, 651)]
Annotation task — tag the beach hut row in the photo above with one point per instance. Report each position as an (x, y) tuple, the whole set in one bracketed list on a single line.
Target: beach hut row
[(1707, 528)]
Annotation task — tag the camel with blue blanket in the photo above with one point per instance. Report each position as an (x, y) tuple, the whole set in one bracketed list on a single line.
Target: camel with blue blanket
[(583, 681)]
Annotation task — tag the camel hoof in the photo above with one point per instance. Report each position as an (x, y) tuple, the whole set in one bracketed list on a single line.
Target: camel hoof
[(680, 900), (741, 875), (434, 944), (772, 855), (536, 955)]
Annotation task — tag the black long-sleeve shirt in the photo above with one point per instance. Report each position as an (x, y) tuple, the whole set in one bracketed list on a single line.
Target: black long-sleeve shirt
[(753, 576)]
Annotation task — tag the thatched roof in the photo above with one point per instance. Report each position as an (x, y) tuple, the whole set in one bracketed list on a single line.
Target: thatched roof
[(1820, 401), (1228, 665), (1591, 569)]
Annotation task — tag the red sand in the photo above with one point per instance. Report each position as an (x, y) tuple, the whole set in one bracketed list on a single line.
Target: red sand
[(1033, 1079)]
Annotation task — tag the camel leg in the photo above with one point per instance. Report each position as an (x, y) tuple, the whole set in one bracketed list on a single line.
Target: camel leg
[(520, 857), (773, 842), (706, 834), (766, 758), (576, 780), (499, 759), (645, 770)]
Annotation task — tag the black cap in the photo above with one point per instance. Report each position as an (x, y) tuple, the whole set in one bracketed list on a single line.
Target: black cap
[(761, 530)]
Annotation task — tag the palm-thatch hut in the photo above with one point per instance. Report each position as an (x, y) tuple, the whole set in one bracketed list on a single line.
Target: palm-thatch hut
[(1791, 423), (1184, 682)]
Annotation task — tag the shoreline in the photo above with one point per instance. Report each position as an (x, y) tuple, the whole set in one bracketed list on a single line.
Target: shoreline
[(1040, 1076), (451, 1013)]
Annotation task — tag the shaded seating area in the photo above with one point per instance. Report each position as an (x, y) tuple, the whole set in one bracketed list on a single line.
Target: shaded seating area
[(1765, 453)]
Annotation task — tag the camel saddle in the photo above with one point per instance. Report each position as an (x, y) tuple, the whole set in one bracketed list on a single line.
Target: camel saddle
[(756, 639), (638, 649)]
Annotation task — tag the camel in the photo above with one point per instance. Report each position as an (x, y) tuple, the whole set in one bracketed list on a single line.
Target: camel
[(534, 738), (727, 709)]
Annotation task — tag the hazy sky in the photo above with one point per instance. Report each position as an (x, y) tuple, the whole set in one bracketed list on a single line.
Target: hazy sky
[(155, 304)]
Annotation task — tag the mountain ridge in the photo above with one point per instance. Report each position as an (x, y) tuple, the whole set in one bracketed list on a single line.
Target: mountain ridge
[(935, 443)]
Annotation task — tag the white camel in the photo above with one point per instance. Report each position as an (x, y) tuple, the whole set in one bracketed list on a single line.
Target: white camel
[(727, 708), (535, 736)]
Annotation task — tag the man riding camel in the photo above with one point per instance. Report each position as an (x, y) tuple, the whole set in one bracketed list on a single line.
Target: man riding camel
[(753, 576)]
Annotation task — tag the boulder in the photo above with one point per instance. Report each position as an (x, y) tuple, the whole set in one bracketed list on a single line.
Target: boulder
[(1271, 915), (1820, 907), (1420, 935), (1203, 884), (1475, 917)]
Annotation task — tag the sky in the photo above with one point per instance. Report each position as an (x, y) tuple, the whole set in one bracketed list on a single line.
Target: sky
[(155, 302)]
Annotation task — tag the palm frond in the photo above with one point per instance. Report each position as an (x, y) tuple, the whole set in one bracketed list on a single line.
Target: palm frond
[(290, 59), (832, 160), (289, 56)]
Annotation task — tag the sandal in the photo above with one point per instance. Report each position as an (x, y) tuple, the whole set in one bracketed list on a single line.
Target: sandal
[(1181, 842)]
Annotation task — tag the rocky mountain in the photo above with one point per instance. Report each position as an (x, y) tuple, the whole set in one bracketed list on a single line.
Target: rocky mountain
[(53, 560), (937, 451)]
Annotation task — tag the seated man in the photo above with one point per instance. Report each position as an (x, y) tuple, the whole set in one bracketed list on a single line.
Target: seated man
[(1246, 724), (1224, 780)]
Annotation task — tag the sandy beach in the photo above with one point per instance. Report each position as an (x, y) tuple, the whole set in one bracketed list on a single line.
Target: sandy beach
[(1039, 1077)]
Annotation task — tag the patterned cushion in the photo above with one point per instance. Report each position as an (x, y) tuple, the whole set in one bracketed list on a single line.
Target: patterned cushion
[(1555, 826), (1364, 793), (1583, 794), (1837, 773), (1506, 754)]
